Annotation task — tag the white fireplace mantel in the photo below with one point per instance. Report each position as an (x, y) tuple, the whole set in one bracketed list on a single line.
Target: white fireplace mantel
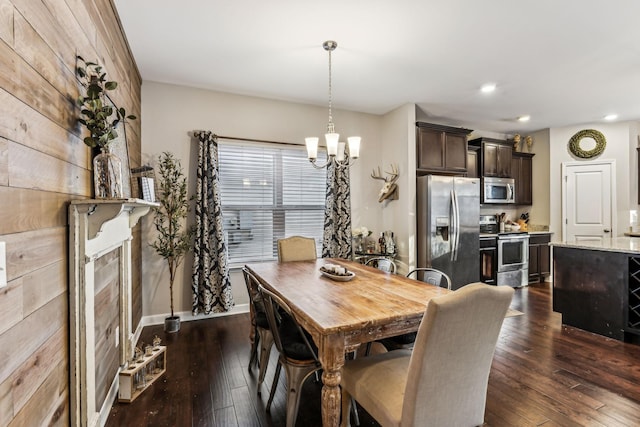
[(97, 227)]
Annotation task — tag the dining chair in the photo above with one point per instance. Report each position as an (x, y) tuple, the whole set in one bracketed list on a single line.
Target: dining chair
[(296, 248), (431, 276), (298, 353), (443, 380), (428, 275), (382, 263), (261, 333)]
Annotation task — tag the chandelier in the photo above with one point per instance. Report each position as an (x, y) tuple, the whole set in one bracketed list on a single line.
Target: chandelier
[(337, 152)]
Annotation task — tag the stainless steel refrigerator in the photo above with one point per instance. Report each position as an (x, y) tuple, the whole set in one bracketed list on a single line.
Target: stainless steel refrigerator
[(448, 211)]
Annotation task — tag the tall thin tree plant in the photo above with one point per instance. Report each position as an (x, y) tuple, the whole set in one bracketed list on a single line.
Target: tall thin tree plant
[(174, 237)]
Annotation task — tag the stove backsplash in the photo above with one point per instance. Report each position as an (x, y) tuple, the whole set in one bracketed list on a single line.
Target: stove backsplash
[(511, 213)]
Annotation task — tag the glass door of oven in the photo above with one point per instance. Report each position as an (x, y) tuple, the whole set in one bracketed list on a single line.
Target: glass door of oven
[(513, 252)]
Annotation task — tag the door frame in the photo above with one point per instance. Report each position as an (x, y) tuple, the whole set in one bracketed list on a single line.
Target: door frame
[(614, 210)]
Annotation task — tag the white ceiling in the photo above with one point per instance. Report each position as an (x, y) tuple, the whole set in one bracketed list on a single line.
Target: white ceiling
[(563, 62)]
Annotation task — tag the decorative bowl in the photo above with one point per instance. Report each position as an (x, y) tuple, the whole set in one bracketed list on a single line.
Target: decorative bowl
[(340, 277)]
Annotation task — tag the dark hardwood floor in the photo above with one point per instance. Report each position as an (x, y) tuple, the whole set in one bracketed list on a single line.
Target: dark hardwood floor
[(543, 374)]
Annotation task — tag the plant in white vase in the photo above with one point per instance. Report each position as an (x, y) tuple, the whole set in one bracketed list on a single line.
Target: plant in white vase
[(98, 117), (359, 235)]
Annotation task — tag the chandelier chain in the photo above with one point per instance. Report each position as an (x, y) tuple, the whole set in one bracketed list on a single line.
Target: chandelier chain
[(330, 126)]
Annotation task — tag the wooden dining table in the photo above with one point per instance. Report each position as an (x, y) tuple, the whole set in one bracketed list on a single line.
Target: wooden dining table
[(342, 315)]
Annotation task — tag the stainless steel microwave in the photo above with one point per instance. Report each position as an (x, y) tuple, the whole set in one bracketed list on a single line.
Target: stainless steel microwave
[(498, 190)]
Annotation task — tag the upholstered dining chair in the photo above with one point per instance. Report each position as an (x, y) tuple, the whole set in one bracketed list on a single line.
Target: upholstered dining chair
[(262, 337), (382, 263), (296, 248), (443, 380), (428, 275), (298, 353)]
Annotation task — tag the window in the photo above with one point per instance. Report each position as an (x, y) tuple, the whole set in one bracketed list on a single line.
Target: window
[(268, 193)]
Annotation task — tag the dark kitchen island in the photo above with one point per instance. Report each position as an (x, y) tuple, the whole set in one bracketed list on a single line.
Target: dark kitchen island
[(596, 286)]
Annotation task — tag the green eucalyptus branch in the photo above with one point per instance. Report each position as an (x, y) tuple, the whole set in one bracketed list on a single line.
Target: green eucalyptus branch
[(97, 112), (174, 238)]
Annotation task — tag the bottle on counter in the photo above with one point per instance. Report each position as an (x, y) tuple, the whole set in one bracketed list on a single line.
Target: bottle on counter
[(389, 243)]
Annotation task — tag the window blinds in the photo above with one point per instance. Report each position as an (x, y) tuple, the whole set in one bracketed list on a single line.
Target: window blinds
[(268, 193)]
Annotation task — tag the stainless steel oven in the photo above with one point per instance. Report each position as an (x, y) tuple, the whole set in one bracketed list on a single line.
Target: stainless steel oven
[(513, 259)]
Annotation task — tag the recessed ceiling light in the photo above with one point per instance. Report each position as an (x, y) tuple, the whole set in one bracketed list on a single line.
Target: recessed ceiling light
[(610, 117), (524, 118), (488, 87)]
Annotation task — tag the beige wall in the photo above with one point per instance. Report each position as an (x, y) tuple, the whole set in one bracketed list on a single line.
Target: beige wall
[(621, 142), (170, 112), (398, 147), (539, 211)]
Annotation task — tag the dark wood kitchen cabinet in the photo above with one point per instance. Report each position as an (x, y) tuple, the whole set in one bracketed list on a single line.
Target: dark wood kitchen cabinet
[(495, 157), (521, 172), (441, 149), (539, 257), (488, 260), (473, 162)]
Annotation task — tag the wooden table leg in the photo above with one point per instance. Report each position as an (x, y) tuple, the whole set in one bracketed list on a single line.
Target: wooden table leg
[(331, 354)]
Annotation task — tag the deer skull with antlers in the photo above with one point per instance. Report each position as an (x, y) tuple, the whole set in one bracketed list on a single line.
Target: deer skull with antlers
[(389, 188)]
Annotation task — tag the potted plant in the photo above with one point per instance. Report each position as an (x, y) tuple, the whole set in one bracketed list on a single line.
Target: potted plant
[(174, 237), (98, 117)]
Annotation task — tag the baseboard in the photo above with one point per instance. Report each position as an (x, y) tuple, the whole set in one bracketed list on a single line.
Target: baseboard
[(136, 334), (103, 415), (186, 316)]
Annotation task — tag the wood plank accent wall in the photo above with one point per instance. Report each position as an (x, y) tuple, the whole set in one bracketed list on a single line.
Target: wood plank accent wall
[(107, 319), (43, 165)]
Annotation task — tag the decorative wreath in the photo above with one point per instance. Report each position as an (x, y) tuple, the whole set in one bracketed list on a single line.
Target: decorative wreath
[(574, 143)]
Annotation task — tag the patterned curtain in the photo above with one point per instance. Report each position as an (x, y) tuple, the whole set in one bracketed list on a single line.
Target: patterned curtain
[(337, 214), (210, 285)]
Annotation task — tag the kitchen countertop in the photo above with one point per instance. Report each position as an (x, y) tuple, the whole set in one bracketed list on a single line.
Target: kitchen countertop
[(615, 244)]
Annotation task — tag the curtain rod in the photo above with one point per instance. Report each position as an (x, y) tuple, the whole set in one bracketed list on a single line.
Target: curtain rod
[(234, 138)]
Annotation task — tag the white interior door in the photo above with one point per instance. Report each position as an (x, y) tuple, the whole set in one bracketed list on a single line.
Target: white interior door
[(588, 197)]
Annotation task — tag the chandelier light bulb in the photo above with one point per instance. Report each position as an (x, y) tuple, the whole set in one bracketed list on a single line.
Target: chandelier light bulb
[(312, 147), (354, 146), (332, 143), (340, 155)]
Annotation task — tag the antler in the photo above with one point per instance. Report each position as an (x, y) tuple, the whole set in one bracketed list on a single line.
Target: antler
[(393, 174), (378, 175)]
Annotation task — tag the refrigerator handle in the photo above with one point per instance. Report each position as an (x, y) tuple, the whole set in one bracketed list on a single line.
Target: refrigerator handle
[(454, 225), (457, 225)]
